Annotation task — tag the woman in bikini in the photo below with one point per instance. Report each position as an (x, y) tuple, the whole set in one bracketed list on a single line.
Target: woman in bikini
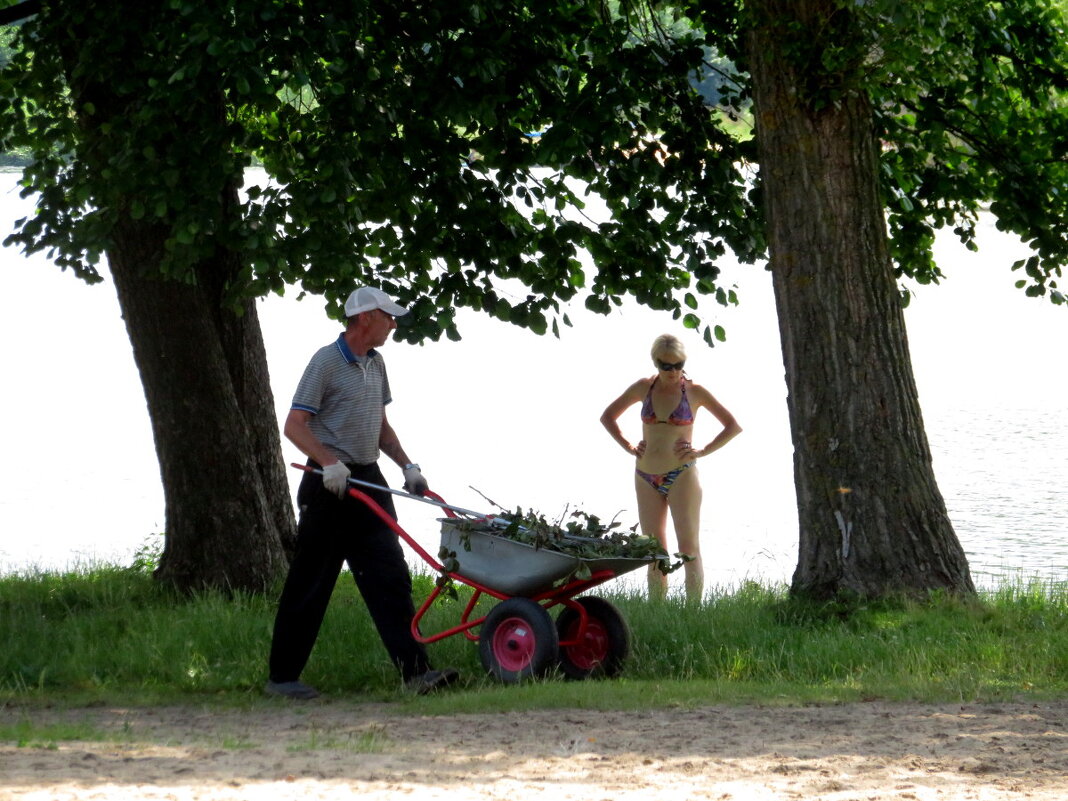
[(665, 476)]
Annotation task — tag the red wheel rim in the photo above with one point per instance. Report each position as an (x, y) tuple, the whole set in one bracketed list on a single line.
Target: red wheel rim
[(513, 644), (591, 652)]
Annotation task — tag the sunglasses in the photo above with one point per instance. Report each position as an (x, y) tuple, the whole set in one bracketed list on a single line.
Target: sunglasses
[(670, 365)]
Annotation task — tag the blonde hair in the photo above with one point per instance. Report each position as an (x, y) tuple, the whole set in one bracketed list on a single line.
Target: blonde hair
[(667, 344)]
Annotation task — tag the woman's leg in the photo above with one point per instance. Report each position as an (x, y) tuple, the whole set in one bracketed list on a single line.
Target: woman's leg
[(684, 500), (652, 517)]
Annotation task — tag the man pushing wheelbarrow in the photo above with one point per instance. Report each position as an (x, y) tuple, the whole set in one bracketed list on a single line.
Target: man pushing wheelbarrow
[(338, 420)]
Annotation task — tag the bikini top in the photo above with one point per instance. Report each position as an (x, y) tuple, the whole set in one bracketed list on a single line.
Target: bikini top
[(681, 416)]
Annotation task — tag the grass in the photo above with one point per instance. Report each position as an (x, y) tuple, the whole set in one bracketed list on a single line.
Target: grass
[(26, 734), (110, 635), (367, 742)]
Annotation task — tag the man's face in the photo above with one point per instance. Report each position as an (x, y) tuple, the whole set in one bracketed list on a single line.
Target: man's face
[(380, 326)]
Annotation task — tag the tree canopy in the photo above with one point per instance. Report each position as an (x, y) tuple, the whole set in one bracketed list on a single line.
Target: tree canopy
[(441, 150), (971, 109), (445, 149)]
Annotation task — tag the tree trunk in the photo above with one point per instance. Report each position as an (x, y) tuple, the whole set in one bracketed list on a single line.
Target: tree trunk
[(872, 519), (246, 357), (229, 517), (204, 373)]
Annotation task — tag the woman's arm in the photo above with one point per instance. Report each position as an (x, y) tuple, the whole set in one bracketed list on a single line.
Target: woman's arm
[(610, 416), (730, 430)]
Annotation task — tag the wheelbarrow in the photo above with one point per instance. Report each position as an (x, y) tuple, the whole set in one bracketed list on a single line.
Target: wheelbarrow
[(518, 639)]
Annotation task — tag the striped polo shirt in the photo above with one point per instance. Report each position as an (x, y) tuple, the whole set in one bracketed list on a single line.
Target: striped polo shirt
[(346, 395)]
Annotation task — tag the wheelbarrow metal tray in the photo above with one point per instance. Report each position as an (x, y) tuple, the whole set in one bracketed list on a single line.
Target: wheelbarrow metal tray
[(516, 568)]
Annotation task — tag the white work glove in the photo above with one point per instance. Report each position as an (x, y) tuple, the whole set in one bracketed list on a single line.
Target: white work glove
[(336, 478), (414, 483)]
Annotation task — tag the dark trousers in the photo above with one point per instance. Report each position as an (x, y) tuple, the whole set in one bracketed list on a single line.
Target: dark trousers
[(332, 531)]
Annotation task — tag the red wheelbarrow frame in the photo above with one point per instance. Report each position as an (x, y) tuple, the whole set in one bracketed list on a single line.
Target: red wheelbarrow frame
[(563, 594), (586, 625)]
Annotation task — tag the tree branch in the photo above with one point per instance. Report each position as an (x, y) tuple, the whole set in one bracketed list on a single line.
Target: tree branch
[(19, 11)]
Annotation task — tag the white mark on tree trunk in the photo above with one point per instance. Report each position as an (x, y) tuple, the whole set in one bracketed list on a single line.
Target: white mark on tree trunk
[(846, 529)]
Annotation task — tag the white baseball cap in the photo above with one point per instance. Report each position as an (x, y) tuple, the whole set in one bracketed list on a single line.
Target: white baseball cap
[(366, 298)]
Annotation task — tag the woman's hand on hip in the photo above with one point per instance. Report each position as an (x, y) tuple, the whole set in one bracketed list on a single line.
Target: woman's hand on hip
[(684, 450)]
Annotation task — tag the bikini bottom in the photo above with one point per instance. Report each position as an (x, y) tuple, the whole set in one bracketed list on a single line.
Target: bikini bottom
[(662, 482)]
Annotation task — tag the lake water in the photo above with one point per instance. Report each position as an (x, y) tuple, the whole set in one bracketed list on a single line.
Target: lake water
[(511, 417)]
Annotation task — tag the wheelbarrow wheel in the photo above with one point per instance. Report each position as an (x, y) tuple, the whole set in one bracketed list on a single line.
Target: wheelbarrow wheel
[(517, 641), (604, 646)]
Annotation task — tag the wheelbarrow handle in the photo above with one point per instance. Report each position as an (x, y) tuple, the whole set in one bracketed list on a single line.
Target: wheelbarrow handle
[(498, 521)]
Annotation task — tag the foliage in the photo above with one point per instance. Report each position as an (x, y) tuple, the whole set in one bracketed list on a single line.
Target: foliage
[(146, 558), (583, 537), (971, 111), (972, 104), (440, 150), (7, 37), (9, 156), (446, 152)]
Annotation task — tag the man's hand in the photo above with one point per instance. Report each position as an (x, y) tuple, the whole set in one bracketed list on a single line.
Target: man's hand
[(414, 483), (336, 478)]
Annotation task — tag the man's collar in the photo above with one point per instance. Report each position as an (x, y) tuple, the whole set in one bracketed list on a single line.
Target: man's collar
[(347, 353)]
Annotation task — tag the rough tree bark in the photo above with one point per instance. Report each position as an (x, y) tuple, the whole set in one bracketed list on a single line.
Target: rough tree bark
[(204, 370), (229, 516), (872, 519)]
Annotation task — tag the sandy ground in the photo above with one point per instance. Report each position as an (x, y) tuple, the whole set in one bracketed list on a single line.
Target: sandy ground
[(340, 749)]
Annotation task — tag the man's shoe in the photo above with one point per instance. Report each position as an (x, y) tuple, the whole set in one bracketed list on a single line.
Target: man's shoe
[(297, 690), (431, 680)]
